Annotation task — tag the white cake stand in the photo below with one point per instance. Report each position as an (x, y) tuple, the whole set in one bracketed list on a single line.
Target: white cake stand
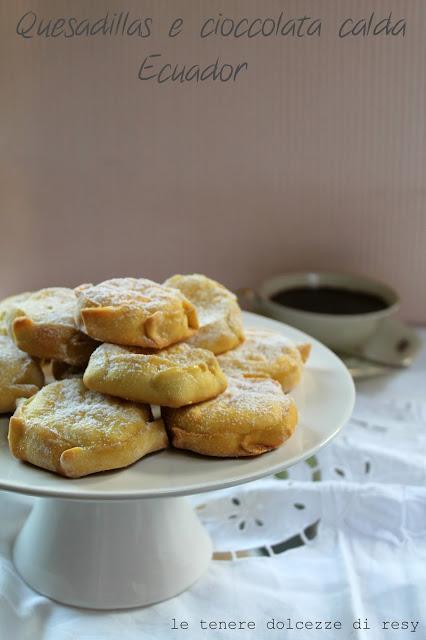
[(128, 538)]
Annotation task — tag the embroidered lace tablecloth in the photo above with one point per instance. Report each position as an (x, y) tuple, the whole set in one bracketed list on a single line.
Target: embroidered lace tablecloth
[(337, 540)]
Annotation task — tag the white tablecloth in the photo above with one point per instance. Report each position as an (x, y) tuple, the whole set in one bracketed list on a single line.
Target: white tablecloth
[(340, 538)]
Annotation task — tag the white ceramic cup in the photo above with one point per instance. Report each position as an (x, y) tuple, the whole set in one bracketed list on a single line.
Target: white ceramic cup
[(339, 332)]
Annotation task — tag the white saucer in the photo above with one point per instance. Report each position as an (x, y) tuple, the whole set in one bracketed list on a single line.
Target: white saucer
[(325, 401), (122, 538), (394, 346)]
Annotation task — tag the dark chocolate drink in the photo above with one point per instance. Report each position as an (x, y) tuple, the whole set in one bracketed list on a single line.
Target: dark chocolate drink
[(330, 300)]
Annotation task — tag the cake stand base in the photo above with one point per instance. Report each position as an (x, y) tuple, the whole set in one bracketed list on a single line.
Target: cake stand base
[(110, 555)]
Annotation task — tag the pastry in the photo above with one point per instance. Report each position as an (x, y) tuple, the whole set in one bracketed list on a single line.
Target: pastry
[(251, 417), (267, 354), (43, 325), (135, 312), (5, 306), (172, 377), (20, 375), (220, 318), (73, 431)]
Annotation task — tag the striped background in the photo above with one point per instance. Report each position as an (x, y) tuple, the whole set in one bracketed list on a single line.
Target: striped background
[(315, 158)]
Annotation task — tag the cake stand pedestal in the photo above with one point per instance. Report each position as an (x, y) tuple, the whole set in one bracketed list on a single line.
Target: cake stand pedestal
[(107, 555)]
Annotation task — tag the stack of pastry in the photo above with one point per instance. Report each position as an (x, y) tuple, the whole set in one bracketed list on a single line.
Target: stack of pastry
[(119, 347)]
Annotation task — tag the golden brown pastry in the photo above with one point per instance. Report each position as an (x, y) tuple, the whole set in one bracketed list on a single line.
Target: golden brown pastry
[(267, 354), (5, 306), (43, 325), (20, 375), (73, 431), (220, 318), (135, 312), (251, 417), (172, 377)]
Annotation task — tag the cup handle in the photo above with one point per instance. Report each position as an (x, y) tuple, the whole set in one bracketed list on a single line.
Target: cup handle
[(394, 344)]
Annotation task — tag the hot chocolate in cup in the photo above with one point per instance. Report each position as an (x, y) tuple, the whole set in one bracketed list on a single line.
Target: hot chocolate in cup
[(341, 310)]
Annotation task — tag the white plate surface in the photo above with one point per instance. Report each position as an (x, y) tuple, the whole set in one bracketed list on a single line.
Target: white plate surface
[(325, 400)]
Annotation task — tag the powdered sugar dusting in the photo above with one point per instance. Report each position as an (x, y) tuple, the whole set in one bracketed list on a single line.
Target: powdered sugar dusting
[(246, 403), (217, 308), (117, 358), (5, 306), (260, 347), (82, 417), (55, 305), (128, 292), (265, 354), (14, 363)]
